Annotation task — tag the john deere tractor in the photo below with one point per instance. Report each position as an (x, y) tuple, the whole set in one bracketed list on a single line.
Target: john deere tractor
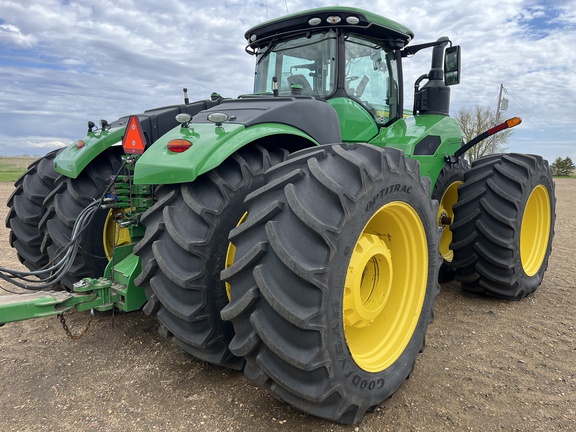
[(296, 233)]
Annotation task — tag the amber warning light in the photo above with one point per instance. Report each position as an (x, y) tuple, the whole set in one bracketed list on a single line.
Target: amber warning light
[(133, 141), (510, 123)]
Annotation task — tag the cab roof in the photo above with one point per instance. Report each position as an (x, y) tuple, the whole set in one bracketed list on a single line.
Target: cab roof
[(360, 21)]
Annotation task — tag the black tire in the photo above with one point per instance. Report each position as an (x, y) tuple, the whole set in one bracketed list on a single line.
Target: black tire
[(27, 209), (185, 248), (63, 205), (309, 230), (446, 193), (504, 225)]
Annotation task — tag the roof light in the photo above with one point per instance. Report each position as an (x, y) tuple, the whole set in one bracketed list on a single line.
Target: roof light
[(134, 141), (314, 21), (80, 144), (218, 118), (253, 38), (179, 145), (334, 19), (353, 20)]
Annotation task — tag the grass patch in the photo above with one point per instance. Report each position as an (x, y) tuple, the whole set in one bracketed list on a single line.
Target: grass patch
[(13, 167)]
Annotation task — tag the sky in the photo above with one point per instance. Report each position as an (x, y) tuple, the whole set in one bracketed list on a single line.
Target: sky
[(64, 62)]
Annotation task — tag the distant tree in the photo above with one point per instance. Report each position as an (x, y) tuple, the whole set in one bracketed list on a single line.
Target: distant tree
[(563, 167), (473, 121)]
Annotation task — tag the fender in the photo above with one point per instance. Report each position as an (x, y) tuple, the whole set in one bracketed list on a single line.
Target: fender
[(251, 118), (210, 147), (155, 123)]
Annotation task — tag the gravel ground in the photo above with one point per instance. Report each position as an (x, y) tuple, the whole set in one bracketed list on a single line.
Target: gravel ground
[(489, 365)]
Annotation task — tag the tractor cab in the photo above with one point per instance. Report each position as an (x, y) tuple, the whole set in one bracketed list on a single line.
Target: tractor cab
[(347, 56)]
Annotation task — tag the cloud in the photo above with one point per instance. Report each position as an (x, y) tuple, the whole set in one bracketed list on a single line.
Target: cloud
[(10, 34), (64, 63)]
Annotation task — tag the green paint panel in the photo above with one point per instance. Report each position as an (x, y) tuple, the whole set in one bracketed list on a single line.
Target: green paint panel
[(72, 160), (211, 145), (20, 307), (356, 124), (406, 133), (123, 269)]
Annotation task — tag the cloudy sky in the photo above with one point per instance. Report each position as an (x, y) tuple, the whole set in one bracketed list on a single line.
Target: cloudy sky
[(63, 62)]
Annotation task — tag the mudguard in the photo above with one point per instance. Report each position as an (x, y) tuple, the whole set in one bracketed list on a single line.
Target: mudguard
[(249, 119), (155, 123)]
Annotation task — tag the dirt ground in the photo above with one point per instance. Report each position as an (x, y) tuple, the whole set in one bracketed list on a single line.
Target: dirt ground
[(489, 365)]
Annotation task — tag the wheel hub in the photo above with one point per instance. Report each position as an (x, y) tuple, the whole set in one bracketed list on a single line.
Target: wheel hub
[(371, 270)]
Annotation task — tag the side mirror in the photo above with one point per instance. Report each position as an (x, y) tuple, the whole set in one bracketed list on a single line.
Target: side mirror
[(452, 65)]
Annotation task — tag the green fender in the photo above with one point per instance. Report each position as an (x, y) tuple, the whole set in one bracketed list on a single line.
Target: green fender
[(72, 160), (211, 145), (155, 122)]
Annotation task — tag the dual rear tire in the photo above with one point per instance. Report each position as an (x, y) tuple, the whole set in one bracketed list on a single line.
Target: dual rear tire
[(67, 199), (27, 210), (186, 246)]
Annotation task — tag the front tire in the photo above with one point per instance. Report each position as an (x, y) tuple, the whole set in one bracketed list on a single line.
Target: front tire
[(504, 225), (186, 247), (334, 279)]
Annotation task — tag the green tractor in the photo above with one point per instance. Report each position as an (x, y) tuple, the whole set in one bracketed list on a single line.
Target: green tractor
[(296, 233)]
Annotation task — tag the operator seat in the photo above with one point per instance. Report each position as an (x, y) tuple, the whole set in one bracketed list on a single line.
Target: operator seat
[(301, 80)]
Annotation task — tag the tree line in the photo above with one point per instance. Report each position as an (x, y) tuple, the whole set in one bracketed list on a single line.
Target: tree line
[(563, 167)]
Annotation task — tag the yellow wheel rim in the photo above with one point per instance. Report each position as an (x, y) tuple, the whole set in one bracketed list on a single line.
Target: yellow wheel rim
[(535, 230), (385, 286), (114, 235), (445, 212), (230, 254)]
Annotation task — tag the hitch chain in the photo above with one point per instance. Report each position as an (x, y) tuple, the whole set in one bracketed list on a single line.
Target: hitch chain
[(69, 332)]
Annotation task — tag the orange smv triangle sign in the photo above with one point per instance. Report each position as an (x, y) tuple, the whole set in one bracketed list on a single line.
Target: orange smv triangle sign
[(133, 141)]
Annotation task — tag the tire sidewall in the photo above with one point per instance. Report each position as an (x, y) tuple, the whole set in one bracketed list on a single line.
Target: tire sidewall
[(359, 383), (542, 177)]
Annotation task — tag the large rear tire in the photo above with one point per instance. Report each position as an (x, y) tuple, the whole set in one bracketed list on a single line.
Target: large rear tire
[(186, 246), (63, 205), (27, 209), (334, 278), (504, 225)]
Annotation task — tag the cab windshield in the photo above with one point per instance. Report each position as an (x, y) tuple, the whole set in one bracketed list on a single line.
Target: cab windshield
[(309, 63), (371, 77)]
